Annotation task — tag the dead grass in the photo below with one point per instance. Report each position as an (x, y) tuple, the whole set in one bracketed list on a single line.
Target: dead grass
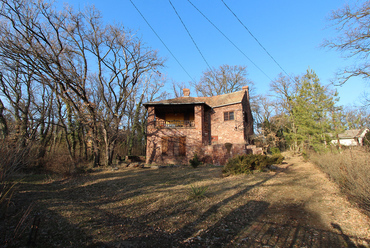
[(152, 208), (350, 170), (107, 205)]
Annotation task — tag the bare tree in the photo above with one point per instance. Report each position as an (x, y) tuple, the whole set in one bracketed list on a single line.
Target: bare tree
[(177, 89), (147, 90), (90, 66), (352, 24), (225, 79), (17, 88), (356, 117), (122, 60)]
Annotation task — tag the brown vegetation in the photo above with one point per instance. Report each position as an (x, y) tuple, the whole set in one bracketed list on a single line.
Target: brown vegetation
[(350, 170)]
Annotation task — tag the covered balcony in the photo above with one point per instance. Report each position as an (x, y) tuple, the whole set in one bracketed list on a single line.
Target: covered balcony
[(174, 124), (178, 116)]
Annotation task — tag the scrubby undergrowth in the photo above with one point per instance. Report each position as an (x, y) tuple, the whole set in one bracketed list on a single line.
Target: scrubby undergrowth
[(350, 170)]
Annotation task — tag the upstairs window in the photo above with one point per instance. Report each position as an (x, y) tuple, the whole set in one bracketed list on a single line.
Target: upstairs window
[(229, 116)]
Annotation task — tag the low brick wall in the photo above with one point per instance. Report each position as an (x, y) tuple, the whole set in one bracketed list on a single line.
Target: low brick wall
[(218, 154)]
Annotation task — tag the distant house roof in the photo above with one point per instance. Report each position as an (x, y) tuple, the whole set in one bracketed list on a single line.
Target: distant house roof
[(352, 133), (212, 101)]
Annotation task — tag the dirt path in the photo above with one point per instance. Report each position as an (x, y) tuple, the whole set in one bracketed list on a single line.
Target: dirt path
[(304, 203)]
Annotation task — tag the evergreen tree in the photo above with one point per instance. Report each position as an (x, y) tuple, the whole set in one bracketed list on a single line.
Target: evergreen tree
[(312, 112)]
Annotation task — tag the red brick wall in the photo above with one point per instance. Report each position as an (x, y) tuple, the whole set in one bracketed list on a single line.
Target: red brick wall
[(194, 138), (228, 131), (218, 154)]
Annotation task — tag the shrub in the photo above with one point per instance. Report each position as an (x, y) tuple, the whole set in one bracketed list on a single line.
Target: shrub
[(195, 162), (197, 192), (274, 150), (276, 159), (245, 164), (238, 165)]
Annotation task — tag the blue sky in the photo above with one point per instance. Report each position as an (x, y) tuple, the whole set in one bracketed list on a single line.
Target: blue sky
[(291, 31)]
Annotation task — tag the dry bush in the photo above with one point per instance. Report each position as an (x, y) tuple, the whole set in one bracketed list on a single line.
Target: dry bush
[(350, 169), (58, 161), (13, 158), (59, 164)]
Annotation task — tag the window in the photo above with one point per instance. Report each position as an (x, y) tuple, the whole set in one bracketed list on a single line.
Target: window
[(229, 116)]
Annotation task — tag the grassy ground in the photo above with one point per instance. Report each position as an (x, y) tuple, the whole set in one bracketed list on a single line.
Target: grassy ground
[(157, 208)]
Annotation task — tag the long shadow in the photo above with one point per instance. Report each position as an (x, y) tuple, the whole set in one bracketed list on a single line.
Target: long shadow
[(242, 227), (186, 232), (270, 234), (245, 226), (44, 228), (102, 217), (63, 193)]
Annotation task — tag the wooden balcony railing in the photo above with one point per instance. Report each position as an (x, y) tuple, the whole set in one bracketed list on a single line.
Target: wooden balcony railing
[(174, 124)]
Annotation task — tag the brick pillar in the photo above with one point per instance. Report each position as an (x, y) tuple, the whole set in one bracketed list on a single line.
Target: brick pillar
[(151, 119), (186, 92), (150, 128), (246, 89), (199, 122)]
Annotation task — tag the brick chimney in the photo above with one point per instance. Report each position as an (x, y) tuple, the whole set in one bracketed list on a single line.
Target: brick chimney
[(186, 92), (246, 88)]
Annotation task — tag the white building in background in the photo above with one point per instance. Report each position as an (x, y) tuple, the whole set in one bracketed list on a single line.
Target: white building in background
[(353, 137)]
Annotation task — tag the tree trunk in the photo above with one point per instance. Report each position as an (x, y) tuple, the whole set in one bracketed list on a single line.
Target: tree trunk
[(3, 124)]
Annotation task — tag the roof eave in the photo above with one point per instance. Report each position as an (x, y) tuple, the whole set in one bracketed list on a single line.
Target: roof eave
[(223, 105), (176, 103)]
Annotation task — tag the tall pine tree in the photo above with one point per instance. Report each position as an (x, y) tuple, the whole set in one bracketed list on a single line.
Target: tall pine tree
[(312, 112)]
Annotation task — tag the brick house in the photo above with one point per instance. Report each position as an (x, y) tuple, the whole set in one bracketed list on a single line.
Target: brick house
[(214, 127)]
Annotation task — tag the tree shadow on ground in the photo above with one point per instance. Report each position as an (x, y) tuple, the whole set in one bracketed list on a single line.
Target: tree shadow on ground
[(246, 223), (245, 227)]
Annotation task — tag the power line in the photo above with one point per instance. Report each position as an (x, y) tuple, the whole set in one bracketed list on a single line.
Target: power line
[(162, 41), (229, 40), (259, 43), (191, 37)]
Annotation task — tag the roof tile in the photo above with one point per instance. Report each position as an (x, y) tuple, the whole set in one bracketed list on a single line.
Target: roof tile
[(213, 101)]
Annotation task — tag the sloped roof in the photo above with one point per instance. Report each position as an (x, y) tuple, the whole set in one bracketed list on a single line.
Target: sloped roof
[(213, 101), (352, 133)]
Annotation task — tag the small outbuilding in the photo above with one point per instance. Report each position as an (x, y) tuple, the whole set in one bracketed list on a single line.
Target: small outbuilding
[(352, 137)]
